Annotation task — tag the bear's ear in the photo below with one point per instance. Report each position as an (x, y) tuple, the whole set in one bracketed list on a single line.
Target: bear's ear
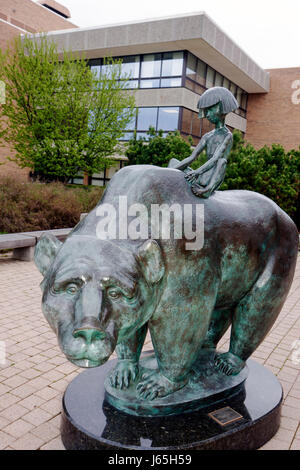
[(150, 258), (45, 252)]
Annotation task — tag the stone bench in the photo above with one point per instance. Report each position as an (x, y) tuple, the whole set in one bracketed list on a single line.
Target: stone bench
[(23, 243)]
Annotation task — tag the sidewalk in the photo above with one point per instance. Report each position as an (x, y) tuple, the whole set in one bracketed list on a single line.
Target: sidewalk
[(36, 373)]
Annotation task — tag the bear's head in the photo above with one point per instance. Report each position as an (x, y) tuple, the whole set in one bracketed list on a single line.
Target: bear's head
[(97, 293)]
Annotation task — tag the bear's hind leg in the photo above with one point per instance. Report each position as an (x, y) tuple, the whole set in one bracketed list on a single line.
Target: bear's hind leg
[(255, 314), (220, 322)]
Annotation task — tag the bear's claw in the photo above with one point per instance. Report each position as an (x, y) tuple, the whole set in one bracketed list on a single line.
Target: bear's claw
[(229, 363), (156, 385), (123, 374)]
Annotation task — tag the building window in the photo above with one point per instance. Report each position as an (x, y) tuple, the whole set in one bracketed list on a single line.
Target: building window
[(210, 77), (149, 83), (146, 117), (172, 64), (131, 66), (201, 72), (151, 65), (170, 82), (199, 77), (218, 79), (168, 119)]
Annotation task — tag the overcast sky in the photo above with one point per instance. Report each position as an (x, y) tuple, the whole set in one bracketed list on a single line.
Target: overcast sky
[(267, 30)]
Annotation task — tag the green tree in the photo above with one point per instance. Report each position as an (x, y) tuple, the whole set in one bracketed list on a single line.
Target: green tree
[(60, 117), (156, 149)]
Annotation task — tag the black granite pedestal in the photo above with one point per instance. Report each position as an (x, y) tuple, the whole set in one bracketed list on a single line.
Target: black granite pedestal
[(243, 421)]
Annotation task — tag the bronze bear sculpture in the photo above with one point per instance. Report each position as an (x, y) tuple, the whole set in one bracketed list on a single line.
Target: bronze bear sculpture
[(104, 294)]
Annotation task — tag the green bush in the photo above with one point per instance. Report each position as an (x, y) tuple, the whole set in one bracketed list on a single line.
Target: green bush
[(35, 206), (270, 171), (158, 150)]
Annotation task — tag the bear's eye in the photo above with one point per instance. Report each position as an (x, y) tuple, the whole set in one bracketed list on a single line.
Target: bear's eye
[(71, 289), (113, 293)]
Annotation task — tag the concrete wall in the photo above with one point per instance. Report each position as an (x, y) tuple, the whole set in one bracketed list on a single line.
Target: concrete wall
[(273, 117)]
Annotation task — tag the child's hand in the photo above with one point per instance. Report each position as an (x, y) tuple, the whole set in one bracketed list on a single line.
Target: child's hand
[(191, 177)]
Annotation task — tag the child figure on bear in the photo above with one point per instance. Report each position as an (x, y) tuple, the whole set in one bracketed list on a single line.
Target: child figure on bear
[(214, 104)]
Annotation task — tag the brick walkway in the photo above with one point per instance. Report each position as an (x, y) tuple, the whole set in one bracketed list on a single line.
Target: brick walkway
[(36, 373)]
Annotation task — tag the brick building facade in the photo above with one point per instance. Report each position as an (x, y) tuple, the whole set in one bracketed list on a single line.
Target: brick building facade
[(274, 117)]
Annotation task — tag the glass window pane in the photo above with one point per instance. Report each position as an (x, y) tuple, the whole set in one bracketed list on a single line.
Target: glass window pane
[(131, 66), (218, 79), (210, 75), (131, 125), (106, 69), (191, 66), (244, 100), (239, 95), (168, 119), (187, 116), (97, 182), (126, 136), (96, 69), (169, 82), (201, 72), (142, 135), (196, 129), (233, 89), (132, 84), (226, 83), (149, 83), (190, 85), (78, 181), (146, 118), (151, 65), (172, 64)]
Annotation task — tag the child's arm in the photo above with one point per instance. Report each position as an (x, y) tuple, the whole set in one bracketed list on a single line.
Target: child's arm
[(187, 161)]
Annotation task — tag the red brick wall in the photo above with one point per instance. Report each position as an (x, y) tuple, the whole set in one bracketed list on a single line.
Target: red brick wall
[(31, 17), (273, 117)]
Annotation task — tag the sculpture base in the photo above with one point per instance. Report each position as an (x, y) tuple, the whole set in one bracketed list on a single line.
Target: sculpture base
[(244, 421), (199, 392)]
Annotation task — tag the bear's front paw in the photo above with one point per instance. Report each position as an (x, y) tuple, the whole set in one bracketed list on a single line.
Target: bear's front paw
[(124, 373), (229, 363), (156, 385)]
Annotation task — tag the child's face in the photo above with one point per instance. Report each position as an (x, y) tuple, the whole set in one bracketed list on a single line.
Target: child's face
[(213, 113)]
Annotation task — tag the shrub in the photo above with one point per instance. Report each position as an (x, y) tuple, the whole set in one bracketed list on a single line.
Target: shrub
[(270, 171), (35, 206), (158, 150)]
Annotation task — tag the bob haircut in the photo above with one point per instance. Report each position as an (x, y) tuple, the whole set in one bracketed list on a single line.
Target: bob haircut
[(216, 95)]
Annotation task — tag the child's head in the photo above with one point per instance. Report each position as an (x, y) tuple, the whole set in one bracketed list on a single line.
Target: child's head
[(219, 99)]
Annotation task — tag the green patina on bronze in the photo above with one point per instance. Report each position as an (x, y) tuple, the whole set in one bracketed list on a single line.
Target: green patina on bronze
[(104, 295)]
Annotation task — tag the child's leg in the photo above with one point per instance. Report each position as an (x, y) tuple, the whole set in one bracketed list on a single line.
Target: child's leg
[(215, 181)]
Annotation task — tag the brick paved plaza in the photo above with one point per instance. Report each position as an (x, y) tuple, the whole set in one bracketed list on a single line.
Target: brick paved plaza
[(36, 373)]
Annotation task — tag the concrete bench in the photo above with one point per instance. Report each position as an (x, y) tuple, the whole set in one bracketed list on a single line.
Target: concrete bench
[(23, 243)]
